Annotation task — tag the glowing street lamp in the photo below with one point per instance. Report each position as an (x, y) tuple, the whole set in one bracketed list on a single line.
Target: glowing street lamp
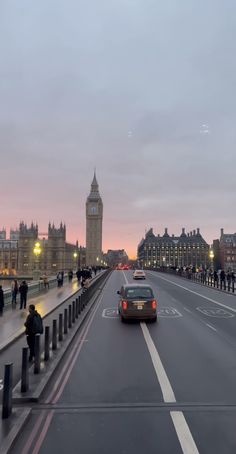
[(211, 255), (37, 251)]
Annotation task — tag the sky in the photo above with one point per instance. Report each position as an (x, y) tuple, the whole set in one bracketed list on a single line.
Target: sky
[(142, 90)]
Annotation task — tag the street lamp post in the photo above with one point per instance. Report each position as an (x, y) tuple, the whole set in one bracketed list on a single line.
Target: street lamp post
[(211, 255), (37, 251), (75, 255)]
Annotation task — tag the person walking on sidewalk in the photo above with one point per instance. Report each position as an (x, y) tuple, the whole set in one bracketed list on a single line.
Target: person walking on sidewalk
[(1, 301), (14, 291), (33, 325), (23, 289)]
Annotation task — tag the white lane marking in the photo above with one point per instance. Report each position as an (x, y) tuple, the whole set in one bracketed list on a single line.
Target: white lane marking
[(184, 435), (196, 293), (185, 308), (110, 312), (168, 312), (214, 312), (1, 384), (212, 327), (167, 391), (126, 280), (183, 432)]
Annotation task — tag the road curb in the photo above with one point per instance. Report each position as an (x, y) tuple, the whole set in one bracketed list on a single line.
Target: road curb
[(12, 428)]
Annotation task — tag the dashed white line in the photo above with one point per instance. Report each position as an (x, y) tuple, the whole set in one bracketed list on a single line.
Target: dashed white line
[(182, 430), (212, 327), (126, 280), (184, 435), (167, 391)]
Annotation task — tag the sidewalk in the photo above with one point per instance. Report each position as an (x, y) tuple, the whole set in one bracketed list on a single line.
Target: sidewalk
[(12, 321)]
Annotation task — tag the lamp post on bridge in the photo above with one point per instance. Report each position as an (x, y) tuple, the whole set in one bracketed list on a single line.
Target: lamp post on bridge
[(37, 252), (75, 255), (211, 255)]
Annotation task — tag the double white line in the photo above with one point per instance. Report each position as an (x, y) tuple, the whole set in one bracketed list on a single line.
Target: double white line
[(182, 429)]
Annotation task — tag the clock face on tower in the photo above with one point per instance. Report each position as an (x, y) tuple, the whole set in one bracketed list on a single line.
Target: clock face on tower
[(93, 209)]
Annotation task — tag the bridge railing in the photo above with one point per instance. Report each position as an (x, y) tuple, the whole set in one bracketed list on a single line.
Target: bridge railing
[(202, 277), (34, 288)]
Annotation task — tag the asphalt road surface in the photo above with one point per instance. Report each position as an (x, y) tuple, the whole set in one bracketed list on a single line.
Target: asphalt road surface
[(165, 387)]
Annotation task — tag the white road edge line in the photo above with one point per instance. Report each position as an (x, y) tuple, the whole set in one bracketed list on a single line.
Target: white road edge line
[(167, 391), (195, 293), (184, 435), (212, 327)]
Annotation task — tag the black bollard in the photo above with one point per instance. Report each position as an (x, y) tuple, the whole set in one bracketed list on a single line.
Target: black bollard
[(7, 391), (47, 343), (82, 302), (76, 308), (25, 370), (79, 304), (73, 311), (70, 316), (233, 286), (60, 335), (37, 354), (65, 321), (54, 334)]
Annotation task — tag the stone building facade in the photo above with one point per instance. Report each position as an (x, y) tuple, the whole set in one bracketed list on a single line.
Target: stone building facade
[(94, 217), (8, 253), (227, 251), (173, 251), (55, 253)]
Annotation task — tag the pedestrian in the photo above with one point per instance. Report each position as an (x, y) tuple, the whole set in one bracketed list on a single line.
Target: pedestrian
[(59, 279), (23, 290), (1, 301), (45, 281), (33, 325), (14, 291), (70, 275)]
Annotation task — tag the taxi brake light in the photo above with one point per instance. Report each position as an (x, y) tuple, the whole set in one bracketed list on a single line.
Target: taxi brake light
[(124, 305), (154, 304)]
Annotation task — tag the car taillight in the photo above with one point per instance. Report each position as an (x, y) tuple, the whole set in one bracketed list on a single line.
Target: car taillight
[(124, 305), (154, 304)]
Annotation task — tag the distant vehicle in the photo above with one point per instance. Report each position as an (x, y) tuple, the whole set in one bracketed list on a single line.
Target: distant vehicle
[(126, 267), (139, 274), (122, 267), (137, 302)]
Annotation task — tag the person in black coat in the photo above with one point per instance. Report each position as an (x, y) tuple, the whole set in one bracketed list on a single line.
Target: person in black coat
[(23, 289), (1, 300)]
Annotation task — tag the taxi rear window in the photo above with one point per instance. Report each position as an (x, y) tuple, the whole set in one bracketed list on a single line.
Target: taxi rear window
[(139, 292)]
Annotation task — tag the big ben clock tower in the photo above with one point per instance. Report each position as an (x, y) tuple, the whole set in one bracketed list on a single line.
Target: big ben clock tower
[(94, 214)]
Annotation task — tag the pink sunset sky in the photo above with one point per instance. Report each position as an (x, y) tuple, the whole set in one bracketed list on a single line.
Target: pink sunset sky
[(143, 91)]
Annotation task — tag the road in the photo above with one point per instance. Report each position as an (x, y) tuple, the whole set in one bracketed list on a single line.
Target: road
[(166, 387)]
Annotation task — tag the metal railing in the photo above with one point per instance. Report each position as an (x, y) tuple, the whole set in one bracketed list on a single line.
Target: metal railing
[(205, 278)]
